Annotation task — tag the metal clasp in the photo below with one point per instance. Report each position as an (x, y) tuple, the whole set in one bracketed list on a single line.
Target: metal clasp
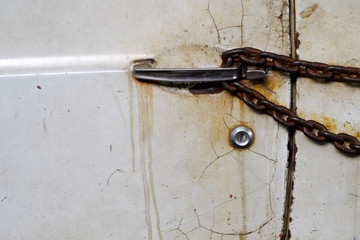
[(144, 72)]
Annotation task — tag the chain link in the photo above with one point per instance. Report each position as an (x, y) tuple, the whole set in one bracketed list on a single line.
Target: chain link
[(256, 57), (283, 115)]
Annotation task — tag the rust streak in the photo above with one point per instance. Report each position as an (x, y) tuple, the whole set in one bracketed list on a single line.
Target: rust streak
[(152, 189), (144, 91), (146, 123), (131, 108)]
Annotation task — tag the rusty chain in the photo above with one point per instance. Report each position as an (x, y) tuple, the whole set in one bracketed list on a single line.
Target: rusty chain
[(283, 115), (256, 57)]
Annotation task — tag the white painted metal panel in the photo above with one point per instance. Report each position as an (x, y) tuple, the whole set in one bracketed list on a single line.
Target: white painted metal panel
[(326, 182), (90, 153)]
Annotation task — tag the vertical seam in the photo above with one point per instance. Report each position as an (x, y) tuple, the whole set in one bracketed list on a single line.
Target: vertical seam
[(292, 149)]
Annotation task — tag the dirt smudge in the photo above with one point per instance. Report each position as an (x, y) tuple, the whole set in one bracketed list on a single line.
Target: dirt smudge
[(307, 12)]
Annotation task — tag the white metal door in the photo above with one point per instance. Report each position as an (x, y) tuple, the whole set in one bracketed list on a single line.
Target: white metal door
[(88, 152)]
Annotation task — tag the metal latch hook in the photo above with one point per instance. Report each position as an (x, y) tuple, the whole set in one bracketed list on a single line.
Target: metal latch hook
[(144, 72)]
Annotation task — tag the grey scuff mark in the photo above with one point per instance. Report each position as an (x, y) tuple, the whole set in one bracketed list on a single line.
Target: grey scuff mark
[(110, 147), (44, 125), (352, 194), (282, 23), (119, 107), (270, 159), (214, 22), (356, 200), (242, 23), (268, 39), (117, 170), (277, 138), (4, 198)]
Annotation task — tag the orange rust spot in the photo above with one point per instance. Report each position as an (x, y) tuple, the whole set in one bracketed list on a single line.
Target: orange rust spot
[(268, 86), (357, 135), (273, 82), (332, 124)]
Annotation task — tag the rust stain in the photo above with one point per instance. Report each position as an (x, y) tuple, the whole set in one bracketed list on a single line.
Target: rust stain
[(131, 109), (307, 12), (146, 124), (267, 87), (144, 105), (332, 124), (273, 82)]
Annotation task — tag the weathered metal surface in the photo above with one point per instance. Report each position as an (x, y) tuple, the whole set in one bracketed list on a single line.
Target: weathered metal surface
[(248, 57), (326, 183), (98, 155)]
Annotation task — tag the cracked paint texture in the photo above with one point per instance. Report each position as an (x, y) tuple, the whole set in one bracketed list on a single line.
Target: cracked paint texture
[(98, 155)]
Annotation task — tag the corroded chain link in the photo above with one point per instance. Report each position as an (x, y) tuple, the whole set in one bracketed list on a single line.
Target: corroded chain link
[(283, 115), (256, 57)]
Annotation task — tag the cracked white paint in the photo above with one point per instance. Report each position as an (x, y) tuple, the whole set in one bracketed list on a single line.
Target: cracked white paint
[(98, 155), (326, 204)]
